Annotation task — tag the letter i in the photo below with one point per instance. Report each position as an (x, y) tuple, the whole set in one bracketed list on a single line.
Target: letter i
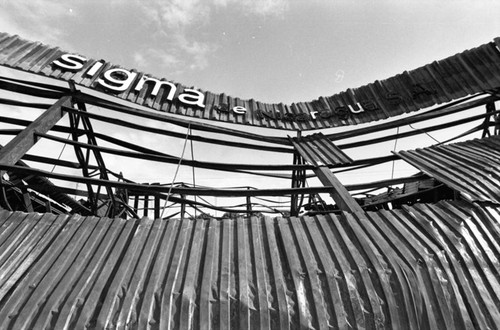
[(93, 70)]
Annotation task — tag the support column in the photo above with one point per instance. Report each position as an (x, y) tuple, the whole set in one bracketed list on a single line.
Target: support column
[(249, 205), (490, 107)]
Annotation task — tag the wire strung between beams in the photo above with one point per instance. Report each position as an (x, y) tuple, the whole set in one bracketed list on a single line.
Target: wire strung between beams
[(192, 167), (176, 171), (394, 150), (60, 154), (421, 130)]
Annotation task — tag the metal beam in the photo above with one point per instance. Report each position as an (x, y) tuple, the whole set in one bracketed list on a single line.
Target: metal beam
[(339, 193), (319, 152), (21, 143)]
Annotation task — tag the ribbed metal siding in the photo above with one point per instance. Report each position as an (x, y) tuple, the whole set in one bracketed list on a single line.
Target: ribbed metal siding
[(471, 167), (423, 267), (469, 72), (317, 150)]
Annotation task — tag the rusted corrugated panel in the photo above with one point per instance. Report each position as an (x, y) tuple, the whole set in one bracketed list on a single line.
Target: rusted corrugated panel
[(317, 150), (422, 267), (470, 72), (470, 167)]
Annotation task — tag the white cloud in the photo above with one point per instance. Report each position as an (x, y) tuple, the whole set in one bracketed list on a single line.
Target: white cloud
[(35, 20), (175, 14), (173, 20), (275, 8), (199, 52), (155, 57)]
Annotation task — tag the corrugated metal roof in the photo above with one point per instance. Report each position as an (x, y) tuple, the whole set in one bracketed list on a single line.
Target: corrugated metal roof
[(472, 71), (317, 150), (471, 167), (421, 267)]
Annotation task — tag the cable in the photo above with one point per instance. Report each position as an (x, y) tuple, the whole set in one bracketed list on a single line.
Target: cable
[(176, 171), (421, 130), (60, 154), (394, 150), (192, 167)]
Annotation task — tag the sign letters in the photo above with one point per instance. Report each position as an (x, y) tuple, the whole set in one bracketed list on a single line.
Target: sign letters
[(117, 80)]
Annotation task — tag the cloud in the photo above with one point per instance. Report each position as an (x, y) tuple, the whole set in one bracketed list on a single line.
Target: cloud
[(155, 57), (175, 20), (275, 8), (172, 20), (186, 54), (175, 14), (35, 19)]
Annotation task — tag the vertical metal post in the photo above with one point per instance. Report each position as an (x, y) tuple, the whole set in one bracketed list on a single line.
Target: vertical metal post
[(249, 205), (183, 207), (146, 205), (295, 182), (490, 107), (157, 207)]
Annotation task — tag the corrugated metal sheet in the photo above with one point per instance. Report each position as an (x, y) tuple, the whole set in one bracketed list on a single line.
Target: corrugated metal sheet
[(317, 150), (471, 167), (422, 267), (469, 72)]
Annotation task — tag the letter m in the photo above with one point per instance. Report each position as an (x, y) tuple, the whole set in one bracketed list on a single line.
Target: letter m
[(157, 85)]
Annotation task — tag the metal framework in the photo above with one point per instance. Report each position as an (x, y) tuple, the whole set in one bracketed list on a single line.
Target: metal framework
[(100, 250), (110, 194)]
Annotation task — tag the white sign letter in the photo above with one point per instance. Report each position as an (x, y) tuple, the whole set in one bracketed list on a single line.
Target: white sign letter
[(239, 110), (158, 84), (70, 62), (197, 99), (117, 79)]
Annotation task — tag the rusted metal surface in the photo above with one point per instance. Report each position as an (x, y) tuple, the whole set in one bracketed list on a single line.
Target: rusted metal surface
[(421, 267), (471, 167), (317, 150), (472, 71)]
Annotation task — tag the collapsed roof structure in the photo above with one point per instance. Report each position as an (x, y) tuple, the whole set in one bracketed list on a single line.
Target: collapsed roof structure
[(403, 253)]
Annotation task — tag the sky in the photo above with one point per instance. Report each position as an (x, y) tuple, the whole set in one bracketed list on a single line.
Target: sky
[(269, 50)]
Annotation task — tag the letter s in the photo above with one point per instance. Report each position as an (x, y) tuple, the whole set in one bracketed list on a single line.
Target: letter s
[(70, 62)]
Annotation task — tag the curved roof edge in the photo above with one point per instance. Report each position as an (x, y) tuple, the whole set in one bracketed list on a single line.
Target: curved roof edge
[(470, 72)]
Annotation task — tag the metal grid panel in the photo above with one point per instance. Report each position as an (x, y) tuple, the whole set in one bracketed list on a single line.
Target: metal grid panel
[(472, 71), (422, 267), (471, 167)]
